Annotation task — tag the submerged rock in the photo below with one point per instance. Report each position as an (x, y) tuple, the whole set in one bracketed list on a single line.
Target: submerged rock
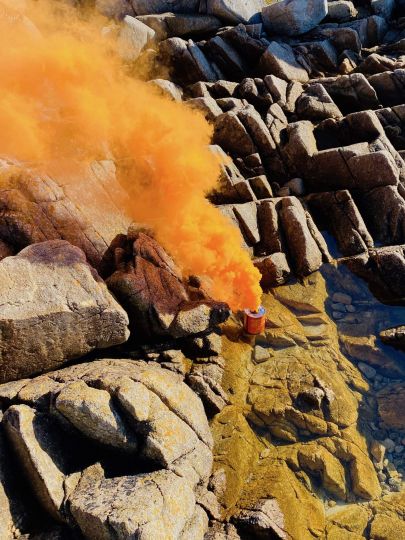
[(390, 406)]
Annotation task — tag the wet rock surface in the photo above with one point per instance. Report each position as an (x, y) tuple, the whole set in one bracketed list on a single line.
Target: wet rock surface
[(302, 417)]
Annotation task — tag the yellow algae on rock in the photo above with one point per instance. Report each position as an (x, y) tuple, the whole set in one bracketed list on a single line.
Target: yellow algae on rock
[(293, 431)]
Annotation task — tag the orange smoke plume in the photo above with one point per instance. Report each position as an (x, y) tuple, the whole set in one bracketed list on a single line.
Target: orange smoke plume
[(65, 98)]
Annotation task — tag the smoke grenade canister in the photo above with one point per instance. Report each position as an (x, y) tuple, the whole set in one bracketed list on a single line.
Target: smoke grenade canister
[(255, 321)]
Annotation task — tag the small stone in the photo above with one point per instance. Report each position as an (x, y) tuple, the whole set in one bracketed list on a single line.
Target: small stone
[(331, 503), (389, 445), (395, 484), (339, 307), (377, 450), (296, 187), (350, 308), (399, 449), (378, 466), (341, 298), (381, 476), (337, 315), (367, 370), (261, 354)]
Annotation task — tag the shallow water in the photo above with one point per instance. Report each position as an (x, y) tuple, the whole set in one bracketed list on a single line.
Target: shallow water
[(303, 416)]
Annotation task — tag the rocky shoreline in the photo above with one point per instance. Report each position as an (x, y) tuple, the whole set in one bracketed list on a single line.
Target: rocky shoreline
[(132, 404)]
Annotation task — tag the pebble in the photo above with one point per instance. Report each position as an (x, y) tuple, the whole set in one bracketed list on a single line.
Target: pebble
[(261, 354), (296, 186), (338, 315), (389, 445), (351, 318), (339, 307), (331, 503), (367, 370), (350, 308), (381, 476), (341, 298), (399, 449), (377, 450), (395, 484)]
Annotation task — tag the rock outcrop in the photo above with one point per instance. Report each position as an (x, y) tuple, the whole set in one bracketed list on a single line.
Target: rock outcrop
[(35, 208), (294, 17), (307, 432), (108, 411), (159, 304), (390, 406), (54, 307)]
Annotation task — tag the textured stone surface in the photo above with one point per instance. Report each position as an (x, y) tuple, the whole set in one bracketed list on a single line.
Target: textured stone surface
[(306, 254), (134, 36), (236, 11), (391, 406), (175, 24), (54, 307), (145, 505), (293, 17), (40, 450), (91, 412), (159, 304), (124, 413), (279, 60), (295, 391), (37, 208)]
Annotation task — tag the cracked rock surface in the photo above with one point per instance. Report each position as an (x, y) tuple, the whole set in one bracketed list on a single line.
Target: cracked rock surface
[(53, 307), (71, 438)]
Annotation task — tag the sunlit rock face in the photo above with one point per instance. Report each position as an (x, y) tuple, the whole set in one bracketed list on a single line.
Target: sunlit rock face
[(113, 448)]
